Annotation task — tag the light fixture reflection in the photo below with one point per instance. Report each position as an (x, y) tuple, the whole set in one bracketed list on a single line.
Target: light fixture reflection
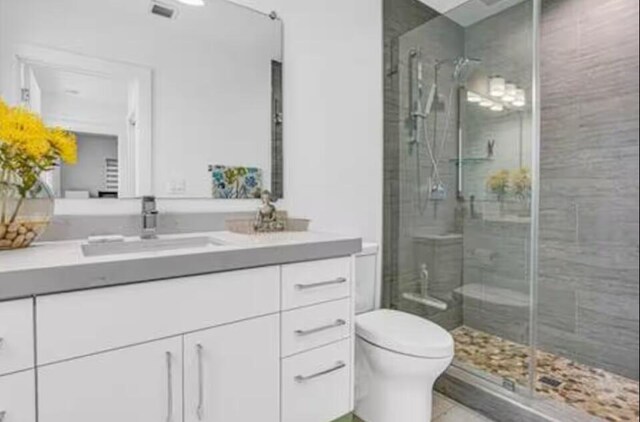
[(521, 98), (497, 86), (192, 2), (472, 97), (486, 103), (509, 93)]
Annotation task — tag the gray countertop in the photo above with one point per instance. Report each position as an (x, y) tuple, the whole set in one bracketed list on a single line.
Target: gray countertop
[(56, 267)]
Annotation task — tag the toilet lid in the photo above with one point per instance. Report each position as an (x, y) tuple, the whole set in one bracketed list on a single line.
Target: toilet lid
[(405, 333)]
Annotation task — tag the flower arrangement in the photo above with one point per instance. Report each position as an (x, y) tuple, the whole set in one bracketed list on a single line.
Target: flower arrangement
[(521, 183), (498, 183), (27, 149)]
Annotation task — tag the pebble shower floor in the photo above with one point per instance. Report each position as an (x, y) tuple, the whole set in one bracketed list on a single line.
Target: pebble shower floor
[(595, 391)]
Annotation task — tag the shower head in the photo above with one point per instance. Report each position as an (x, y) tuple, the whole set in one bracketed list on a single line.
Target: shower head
[(463, 67)]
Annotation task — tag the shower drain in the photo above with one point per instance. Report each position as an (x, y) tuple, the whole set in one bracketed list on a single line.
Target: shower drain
[(551, 382)]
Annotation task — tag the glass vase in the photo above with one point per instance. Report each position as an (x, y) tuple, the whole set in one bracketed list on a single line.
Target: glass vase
[(23, 218)]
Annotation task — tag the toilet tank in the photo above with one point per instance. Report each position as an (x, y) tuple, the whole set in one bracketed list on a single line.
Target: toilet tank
[(368, 281)]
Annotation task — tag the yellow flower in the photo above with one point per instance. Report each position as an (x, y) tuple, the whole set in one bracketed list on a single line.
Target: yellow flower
[(64, 143), (28, 147), (498, 182), (24, 132), (4, 109), (521, 181)]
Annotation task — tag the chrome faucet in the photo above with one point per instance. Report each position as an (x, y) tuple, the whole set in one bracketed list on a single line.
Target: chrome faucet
[(149, 218)]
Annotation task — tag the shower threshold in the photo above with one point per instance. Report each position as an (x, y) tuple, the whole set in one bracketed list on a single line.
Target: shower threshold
[(560, 381)]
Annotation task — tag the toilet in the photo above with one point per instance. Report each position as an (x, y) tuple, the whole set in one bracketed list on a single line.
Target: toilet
[(399, 356)]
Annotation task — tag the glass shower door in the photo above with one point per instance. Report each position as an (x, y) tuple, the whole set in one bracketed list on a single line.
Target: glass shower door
[(465, 84)]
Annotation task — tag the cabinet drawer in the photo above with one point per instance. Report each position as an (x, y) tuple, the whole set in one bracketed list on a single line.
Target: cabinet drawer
[(315, 326), (82, 323), (16, 336), (18, 397), (308, 283), (316, 384)]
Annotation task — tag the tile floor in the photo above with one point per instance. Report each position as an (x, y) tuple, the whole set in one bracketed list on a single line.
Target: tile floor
[(601, 394), (447, 410)]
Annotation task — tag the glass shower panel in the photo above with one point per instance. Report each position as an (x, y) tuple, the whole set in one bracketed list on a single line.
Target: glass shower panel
[(465, 160)]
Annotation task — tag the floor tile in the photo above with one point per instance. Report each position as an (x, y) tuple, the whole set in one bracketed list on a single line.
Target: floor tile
[(460, 414), (441, 405)]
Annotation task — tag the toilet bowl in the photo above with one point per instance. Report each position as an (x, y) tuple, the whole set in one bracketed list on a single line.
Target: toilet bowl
[(398, 359)]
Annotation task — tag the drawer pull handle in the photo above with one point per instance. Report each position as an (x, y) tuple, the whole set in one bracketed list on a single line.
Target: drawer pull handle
[(2, 415), (1, 344), (338, 323), (200, 409), (340, 280), (304, 378), (169, 357)]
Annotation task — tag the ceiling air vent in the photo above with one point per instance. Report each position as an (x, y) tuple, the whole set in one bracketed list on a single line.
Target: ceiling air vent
[(163, 10)]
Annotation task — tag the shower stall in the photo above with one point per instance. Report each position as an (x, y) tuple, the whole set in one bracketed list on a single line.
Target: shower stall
[(511, 199)]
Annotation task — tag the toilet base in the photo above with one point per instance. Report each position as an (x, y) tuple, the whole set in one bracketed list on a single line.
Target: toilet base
[(391, 387)]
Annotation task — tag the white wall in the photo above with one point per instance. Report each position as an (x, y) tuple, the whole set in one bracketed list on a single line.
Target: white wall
[(333, 112)]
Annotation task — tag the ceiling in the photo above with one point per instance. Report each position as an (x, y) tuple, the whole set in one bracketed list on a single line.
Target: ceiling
[(469, 12), (61, 82)]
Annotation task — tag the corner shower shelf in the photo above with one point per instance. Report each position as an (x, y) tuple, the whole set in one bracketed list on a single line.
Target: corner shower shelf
[(470, 160), (494, 295)]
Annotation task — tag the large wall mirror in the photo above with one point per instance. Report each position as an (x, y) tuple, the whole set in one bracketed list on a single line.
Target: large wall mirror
[(165, 98)]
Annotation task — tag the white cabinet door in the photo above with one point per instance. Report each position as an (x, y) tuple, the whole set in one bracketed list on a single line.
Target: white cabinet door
[(232, 373), (18, 397), (16, 336), (136, 384)]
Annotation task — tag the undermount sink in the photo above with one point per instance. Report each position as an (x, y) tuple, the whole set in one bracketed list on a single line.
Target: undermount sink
[(138, 245)]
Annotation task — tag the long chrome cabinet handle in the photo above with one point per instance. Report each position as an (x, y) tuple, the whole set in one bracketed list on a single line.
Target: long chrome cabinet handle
[(338, 323), (321, 284), (200, 409), (2, 415), (1, 344), (169, 357), (304, 378)]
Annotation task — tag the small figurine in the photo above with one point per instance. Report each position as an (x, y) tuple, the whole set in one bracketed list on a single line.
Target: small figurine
[(267, 219)]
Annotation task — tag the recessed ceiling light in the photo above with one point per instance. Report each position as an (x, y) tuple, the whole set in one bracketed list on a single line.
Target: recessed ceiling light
[(192, 2)]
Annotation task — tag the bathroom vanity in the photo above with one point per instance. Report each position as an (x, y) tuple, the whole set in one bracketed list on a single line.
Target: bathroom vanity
[(211, 333)]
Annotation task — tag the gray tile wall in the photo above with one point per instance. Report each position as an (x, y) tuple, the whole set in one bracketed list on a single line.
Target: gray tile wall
[(400, 16), (589, 246), (419, 217), (589, 180), (500, 230)]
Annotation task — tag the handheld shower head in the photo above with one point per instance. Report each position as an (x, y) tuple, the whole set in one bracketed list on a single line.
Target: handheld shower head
[(463, 67)]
